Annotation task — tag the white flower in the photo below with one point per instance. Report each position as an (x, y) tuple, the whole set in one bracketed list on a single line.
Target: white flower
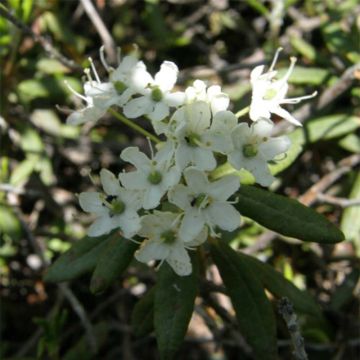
[(163, 242), (98, 97), (153, 176), (193, 119), (205, 203), (254, 148), (197, 137), (269, 94), (156, 96), (217, 100), (117, 208)]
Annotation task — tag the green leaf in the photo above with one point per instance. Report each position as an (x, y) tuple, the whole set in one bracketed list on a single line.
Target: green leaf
[(80, 259), (330, 127), (350, 223), (344, 292), (113, 261), (351, 143), (286, 216), (303, 47), (174, 304), (253, 310), (9, 223), (142, 319), (306, 75), (279, 286), (81, 349), (23, 170)]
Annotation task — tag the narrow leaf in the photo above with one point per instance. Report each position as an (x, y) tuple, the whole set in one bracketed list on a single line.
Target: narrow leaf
[(286, 216), (253, 310), (78, 260), (142, 319), (114, 259), (350, 223), (174, 304), (279, 286)]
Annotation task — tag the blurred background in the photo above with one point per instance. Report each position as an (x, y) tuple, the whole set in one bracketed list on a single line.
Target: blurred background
[(44, 163)]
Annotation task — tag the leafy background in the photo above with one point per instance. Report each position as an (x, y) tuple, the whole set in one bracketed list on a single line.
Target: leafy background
[(45, 163)]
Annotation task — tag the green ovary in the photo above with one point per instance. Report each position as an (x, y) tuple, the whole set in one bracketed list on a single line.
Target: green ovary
[(192, 139), (270, 94), (120, 87), (154, 177), (168, 237), (117, 207), (156, 94), (249, 150)]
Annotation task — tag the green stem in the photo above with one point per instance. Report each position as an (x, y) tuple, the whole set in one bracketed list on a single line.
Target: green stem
[(134, 126), (242, 112)]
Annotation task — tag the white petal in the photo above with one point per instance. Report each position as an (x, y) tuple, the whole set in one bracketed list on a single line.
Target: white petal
[(262, 127), (180, 196), (200, 239), (196, 180), (172, 177), (151, 251), (134, 156), (275, 146), (260, 170), (179, 260), (175, 99), (160, 112), (152, 197), (137, 107), (140, 78), (132, 198), (224, 120), (236, 159), (183, 155), (256, 72), (109, 182), (166, 77), (198, 116), (92, 202), (102, 225), (133, 180), (286, 115), (204, 159), (223, 188), (258, 110), (219, 103), (129, 223), (240, 135), (191, 225), (224, 215)]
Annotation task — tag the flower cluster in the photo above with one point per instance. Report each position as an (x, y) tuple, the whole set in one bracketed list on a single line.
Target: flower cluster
[(198, 129)]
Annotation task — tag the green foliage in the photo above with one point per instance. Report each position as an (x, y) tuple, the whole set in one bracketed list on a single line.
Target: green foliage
[(114, 259), (173, 307), (253, 310), (80, 259), (275, 282), (286, 216), (142, 319)]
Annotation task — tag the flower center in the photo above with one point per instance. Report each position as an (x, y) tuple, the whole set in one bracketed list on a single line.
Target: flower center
[(155, 177), (270, 94), (168, 237), (192, 139), (120, 87), (249, 150), (201, 200), (156, 94), (115, 205)]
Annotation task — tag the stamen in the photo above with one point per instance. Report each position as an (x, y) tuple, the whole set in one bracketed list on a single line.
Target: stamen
[(296, 100), (290, 70), (75, 92), (118, 55), (103, 60), (88, 75), (151, 148), (276, 56), (176, 220), (134, 241), (94, 70)]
